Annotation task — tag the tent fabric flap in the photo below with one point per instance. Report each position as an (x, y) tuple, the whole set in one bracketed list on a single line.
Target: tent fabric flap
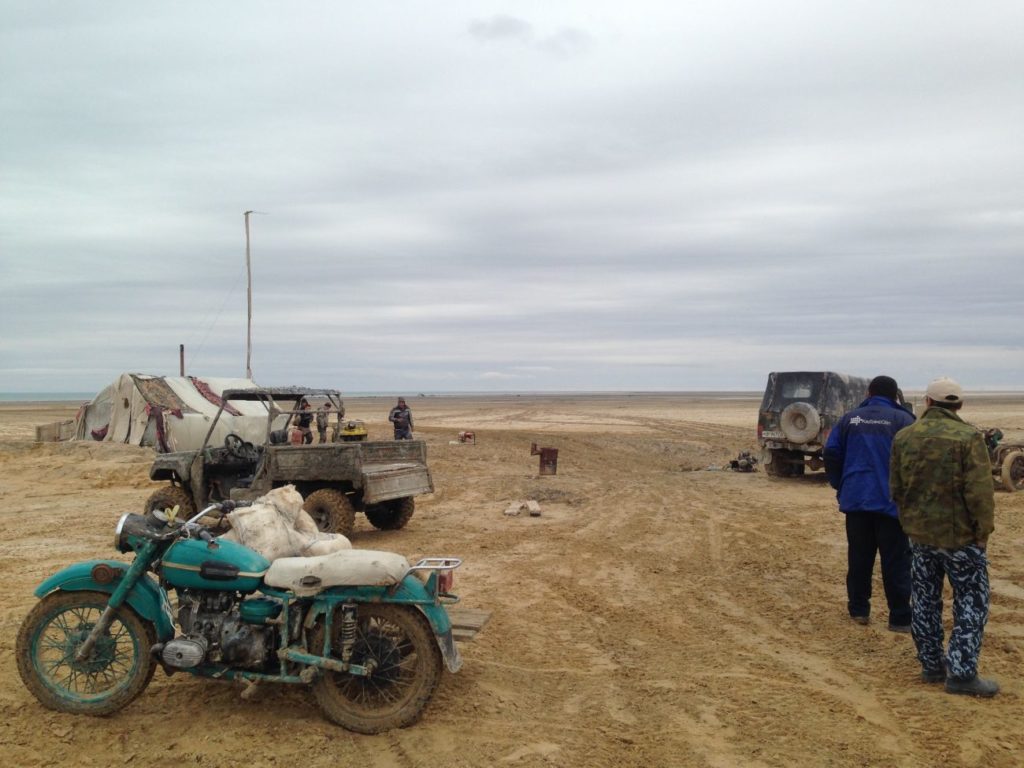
[(169, 413)]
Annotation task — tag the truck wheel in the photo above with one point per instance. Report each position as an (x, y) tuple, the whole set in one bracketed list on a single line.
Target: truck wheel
[(783, 464), (331, 510), (391, 515), (1013, 471), (798, 465), (171, 496)]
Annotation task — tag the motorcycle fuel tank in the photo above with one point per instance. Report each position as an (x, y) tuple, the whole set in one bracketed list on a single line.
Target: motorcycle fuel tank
[(193, 564)]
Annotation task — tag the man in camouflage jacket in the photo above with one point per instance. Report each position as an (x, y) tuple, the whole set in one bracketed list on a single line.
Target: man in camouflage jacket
[(941, 480)]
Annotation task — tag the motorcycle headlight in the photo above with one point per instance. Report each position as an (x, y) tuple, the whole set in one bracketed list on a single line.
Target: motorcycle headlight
[(131, 530), (119, 545)]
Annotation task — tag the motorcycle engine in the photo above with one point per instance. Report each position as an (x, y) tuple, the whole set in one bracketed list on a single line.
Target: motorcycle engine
[(214, 632)]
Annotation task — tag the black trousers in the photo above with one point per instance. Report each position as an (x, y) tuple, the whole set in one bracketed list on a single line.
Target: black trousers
[(866, 534)]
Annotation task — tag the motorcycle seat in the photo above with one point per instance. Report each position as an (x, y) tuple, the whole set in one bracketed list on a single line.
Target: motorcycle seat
[(347, 568)]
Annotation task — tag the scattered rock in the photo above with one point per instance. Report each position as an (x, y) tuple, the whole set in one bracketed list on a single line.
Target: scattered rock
[(518, 506)]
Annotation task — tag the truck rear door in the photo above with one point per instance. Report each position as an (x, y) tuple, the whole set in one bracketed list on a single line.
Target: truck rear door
[(394, 470)]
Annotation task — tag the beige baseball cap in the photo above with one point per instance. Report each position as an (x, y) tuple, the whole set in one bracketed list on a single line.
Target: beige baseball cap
[(945, 390)]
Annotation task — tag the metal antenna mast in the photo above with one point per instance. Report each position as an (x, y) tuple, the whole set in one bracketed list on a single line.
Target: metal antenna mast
[(249, 316), (248, 272)]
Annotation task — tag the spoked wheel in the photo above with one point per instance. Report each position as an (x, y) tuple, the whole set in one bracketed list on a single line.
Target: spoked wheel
[(398, 647), (116, 671), (391, 515)]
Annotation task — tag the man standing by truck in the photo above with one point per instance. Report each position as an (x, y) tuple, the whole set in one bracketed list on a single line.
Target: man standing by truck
[(401, 418), (942, 482), (323, 415), (857, 464), (303, 419)]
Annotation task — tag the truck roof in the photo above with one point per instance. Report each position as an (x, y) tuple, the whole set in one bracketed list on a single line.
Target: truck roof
[(278, 393)]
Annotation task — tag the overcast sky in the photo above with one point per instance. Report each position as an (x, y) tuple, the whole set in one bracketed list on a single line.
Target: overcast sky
[(468, 196)]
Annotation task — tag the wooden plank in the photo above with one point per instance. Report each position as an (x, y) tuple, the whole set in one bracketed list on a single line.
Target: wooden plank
[(56, 431), (466, 622)]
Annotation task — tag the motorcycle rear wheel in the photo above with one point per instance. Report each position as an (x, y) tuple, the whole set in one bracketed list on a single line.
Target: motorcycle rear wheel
[(118, 669), (398, 642)]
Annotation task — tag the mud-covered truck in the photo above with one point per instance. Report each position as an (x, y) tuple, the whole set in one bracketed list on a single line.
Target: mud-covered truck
[(797, 412), (337, 479)]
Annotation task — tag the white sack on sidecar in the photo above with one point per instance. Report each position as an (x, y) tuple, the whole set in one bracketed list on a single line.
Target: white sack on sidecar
[(276, 525)]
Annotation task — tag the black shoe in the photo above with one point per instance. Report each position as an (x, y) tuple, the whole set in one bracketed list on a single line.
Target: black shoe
[(901, 628), (972, 686), (860, 619), (933, 676)]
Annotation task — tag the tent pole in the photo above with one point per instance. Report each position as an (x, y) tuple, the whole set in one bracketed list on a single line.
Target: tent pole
[(181, 359)]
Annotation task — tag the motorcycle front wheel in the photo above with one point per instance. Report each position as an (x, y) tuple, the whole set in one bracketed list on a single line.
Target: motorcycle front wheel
[(117, 670), (398, 645)]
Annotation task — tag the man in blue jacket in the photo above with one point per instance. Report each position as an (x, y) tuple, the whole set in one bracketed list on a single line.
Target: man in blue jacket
[(857, 464)]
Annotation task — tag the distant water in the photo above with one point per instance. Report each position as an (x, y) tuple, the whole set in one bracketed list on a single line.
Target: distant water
[(46, 397)]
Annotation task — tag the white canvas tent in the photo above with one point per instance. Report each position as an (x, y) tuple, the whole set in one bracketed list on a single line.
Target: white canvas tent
[(169, 413)]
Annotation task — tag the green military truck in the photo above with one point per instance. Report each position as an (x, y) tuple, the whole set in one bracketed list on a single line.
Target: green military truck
[(337, 479)]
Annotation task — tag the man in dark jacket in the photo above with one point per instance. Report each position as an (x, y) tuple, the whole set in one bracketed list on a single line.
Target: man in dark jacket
[(303, 419), (401, 417), (857, 464), (942, 482)]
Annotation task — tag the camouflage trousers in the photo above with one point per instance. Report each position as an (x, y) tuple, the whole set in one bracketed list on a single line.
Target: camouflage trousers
[(967, 571)]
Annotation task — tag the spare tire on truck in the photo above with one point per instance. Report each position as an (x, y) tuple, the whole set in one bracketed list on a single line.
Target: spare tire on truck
[(800, 422)]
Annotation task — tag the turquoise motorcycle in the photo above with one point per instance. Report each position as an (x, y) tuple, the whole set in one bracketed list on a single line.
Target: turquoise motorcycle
[(365, 629)]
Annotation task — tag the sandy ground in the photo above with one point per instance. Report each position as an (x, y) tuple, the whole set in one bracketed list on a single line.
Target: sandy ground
[(656, 614)]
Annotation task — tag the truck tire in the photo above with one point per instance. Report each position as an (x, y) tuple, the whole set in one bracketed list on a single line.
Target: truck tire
[(331, 510), (391, 515), (170, 496), (784, 463), (800, 422), (771, 460), (1013, 471)]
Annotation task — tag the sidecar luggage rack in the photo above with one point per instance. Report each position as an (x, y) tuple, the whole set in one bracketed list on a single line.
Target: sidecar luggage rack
[(435, 564)]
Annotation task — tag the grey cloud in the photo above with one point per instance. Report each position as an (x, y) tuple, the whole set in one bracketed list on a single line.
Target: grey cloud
[(565, 42), (699, 199), (501, 27)]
